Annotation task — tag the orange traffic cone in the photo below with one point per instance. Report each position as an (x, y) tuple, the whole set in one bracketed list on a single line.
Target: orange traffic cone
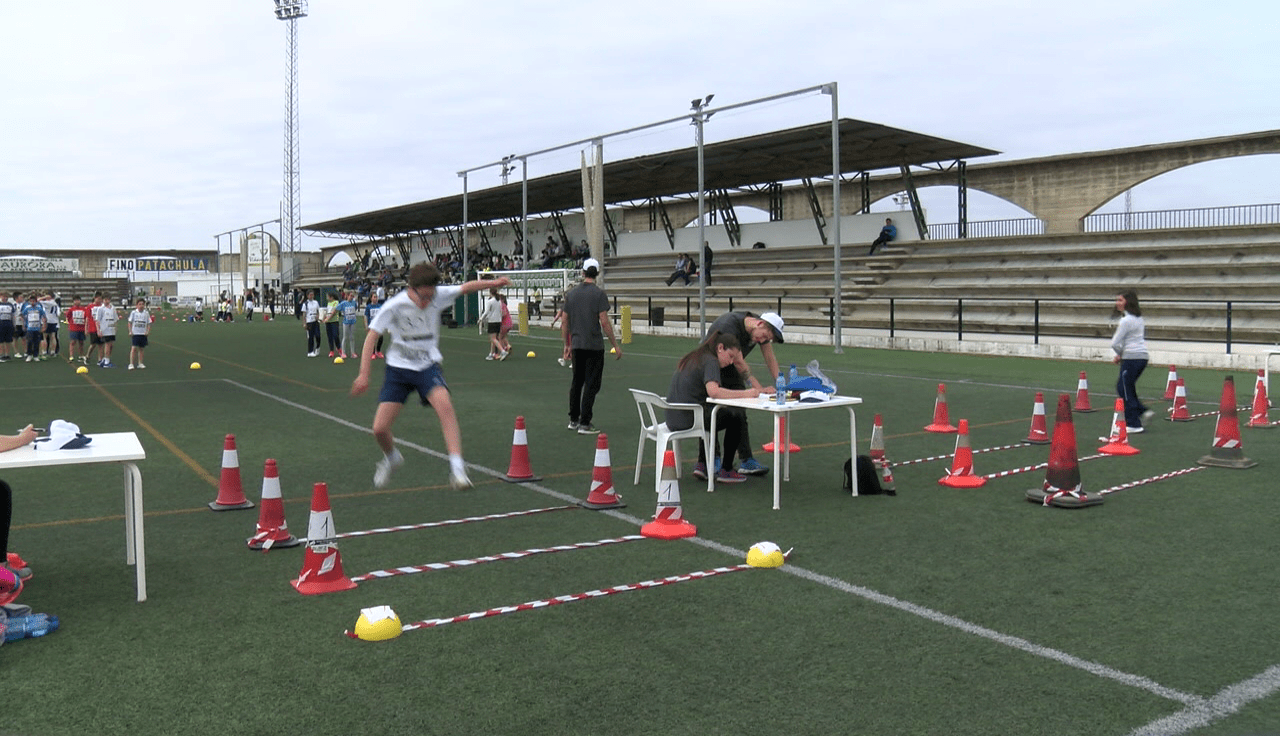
[(1039, 434), (1082, 395), (1258, 416), (602, 495), (668, 522), (322, 565), (879, 459), (519, 471), (877, 439), (1180, 411), (230, 491), (1227, 450), (1118, 442), (1171, 387), (272, 530), (782, 432), (961, 474), (941, 423), (1062, 486)]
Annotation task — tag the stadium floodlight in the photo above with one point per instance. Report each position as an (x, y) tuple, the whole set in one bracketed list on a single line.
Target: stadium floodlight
[(291, 9)]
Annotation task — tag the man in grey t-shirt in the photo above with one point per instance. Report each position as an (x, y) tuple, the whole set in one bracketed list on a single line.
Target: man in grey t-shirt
[(584, 321), (750, 330)]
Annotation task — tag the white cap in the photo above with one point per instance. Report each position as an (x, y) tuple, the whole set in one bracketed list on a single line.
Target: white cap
[(591, 263), (775, 321)]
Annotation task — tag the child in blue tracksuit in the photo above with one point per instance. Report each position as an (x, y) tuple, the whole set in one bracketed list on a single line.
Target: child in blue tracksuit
[(348, 309), (34, 318)]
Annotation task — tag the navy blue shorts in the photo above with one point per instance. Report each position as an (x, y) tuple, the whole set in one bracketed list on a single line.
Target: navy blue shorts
[(6, 332), (139, 341), (398, 383)]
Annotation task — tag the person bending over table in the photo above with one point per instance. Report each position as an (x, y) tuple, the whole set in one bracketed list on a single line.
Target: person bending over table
[(697, 378), (750, 330)]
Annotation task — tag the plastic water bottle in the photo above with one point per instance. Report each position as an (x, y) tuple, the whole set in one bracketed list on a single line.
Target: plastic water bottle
[(781, 385), (29, 626), (793, 376)]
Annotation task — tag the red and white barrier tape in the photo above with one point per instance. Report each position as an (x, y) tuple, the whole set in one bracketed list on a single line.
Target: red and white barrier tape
[(950, 455), (1152, 479), (431, 566), (448, 522), (1039, 466), (546, 602)]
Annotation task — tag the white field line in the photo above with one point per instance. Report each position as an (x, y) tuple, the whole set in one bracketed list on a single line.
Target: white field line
[(1194, 701)]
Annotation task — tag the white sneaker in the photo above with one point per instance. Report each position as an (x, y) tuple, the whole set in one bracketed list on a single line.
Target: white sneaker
[(131, 366), (1147, 416), (382, 471), (460, 481), (489, 356), (140, 366)]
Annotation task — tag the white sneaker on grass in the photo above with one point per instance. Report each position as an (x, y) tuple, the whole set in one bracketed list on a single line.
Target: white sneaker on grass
[(460, 481), (382, 471)]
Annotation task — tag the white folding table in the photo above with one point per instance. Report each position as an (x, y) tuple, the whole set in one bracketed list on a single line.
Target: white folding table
[(116, 447), (781, 465)]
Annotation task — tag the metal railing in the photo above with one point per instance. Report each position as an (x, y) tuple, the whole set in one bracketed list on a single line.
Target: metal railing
[(1226, 310), (988, 228), (1235, 215), (1229, 216)]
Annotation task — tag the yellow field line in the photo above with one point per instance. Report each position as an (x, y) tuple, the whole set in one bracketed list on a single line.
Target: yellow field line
[(184, 457)]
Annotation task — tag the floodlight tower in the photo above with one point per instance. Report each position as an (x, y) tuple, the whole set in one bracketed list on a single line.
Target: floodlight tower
[(290, 11)]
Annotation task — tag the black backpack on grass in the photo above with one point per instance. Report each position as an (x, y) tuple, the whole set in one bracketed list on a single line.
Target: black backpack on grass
[(868, 478)]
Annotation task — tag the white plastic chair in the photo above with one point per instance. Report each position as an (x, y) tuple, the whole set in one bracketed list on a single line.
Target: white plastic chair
[(653, 426)]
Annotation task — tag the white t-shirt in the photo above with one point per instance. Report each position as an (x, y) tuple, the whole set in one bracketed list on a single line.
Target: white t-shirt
[(414, 331), (311, 311), (493, 310), (139, 322), (106, 317), (51, 312)]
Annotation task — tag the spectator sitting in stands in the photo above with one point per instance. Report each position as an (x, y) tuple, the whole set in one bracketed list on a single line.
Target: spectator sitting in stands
[(684, 269), (887, 233)]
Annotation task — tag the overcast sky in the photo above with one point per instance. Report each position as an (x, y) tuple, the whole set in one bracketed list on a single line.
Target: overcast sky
[(148, 124)]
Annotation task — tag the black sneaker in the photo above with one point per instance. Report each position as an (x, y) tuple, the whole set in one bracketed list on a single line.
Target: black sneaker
[(587, 428)]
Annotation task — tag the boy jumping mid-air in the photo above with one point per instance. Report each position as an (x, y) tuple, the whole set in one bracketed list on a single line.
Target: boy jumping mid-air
[(412, 320)]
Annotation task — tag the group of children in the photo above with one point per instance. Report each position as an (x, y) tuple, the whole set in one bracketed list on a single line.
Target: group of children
[(35, 324), (339, 319)]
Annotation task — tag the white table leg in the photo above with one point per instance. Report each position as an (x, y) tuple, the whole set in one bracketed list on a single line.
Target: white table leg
[(853, 449), (711, 450), (134, 519), (777, 447)]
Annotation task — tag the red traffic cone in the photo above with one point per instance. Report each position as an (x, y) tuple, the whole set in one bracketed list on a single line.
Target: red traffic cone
[(782, 432), (1062, 486), (519, 471), (272, 530), (322, 565), (230, 491), (1258, 416), (1082, 395), (1039, 434), (941, 423), (602, 495), (1118, 442), (877, 439), (1171, 386), (879, 459), (668, 522), (961, 474), (1180, 412), (1227, 450)]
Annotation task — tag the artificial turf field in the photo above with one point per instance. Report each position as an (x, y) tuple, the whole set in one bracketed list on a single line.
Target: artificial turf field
[(937, 611)]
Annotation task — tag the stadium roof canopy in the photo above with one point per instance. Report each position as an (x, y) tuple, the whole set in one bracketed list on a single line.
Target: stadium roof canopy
[(785, 155)]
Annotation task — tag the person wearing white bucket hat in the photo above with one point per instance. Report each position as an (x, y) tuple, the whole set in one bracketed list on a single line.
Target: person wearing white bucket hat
[(751, 330)]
